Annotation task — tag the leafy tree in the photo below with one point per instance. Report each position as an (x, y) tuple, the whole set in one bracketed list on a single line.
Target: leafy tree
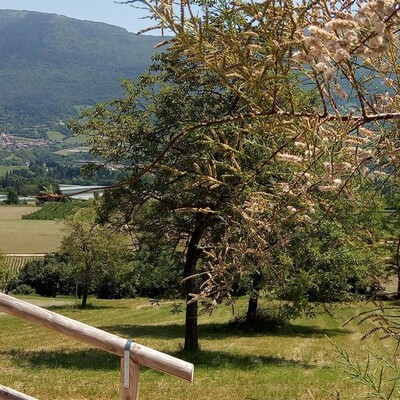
[(93, 250), (192, 198), (228, 150), (49, 277), (390, 222), (166, 205), (12, 197)]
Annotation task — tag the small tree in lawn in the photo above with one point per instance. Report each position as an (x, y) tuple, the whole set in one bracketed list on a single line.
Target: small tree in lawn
[(93, 249)]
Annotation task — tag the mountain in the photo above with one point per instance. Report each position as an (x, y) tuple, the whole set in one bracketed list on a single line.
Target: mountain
[(51, 66)]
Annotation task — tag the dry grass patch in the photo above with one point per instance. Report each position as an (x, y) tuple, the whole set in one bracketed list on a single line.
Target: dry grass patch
[(19, 236), (26, 236), (15, 213)]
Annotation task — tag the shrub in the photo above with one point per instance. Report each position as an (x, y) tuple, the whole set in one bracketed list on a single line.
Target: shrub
[(23, 289), (48, 277), (115, 287)]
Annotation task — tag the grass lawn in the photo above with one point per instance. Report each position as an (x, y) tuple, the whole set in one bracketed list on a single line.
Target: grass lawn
[(295, 363), (27, 236)]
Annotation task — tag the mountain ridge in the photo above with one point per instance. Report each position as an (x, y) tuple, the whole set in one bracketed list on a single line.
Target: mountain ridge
[(52, 65)]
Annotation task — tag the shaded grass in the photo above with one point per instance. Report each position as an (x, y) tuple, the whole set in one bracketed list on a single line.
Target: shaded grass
[(220, 331), (232, 364)]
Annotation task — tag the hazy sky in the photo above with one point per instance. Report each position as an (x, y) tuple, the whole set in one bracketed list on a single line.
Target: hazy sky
[(107, 11)]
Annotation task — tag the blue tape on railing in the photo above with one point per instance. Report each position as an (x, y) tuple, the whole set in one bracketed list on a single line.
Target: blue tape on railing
[(128, 345)]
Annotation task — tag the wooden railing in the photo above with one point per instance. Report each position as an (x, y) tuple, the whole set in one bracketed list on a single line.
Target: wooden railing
[(10, 394), (132, 354)]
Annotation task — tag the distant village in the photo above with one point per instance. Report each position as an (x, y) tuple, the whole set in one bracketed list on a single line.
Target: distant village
[(8, 140)]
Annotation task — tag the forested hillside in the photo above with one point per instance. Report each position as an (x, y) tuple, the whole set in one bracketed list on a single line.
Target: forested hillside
[(51, 66)]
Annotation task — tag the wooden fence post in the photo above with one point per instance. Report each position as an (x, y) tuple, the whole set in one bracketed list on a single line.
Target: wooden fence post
[(131, 392)]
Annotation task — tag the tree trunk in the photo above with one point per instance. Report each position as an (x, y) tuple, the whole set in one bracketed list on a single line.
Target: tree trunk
[(398, 268), (192, 256), (252, 309), (87, 279), (85, 293), (253, 301)]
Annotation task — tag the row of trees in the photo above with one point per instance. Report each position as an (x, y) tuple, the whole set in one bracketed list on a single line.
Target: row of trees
[(34, 178), (98, 259), (95, 259)]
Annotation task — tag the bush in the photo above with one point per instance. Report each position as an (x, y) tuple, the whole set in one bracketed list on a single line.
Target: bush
[(115, 287), (48, 277), (23, 289), (265, 320), (157, 273)]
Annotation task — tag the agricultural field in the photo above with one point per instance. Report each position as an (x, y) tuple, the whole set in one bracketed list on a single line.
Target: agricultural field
[(15, 262), (295, 363), (6, 168), (72, 150), (19, 236), (76, 139), (55, 135), (56, 210)]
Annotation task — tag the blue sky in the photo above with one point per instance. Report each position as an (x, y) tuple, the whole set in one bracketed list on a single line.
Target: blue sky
[(107, 11)]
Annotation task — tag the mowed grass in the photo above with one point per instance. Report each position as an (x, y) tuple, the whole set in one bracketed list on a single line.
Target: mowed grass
[(296, 363), (27, 236)]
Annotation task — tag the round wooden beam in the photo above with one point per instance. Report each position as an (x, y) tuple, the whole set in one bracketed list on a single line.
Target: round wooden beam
[(96, 337), (11, 394)]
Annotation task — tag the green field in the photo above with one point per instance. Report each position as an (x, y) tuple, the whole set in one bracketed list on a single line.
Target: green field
[(76, 139), (297, 363), (5, 168), (26, 236), (55, 135)]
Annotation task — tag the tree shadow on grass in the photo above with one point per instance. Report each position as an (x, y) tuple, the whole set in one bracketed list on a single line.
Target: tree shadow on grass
[(79, 307), (219, 359), (293, 330), (219, 331), (93, 359)]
